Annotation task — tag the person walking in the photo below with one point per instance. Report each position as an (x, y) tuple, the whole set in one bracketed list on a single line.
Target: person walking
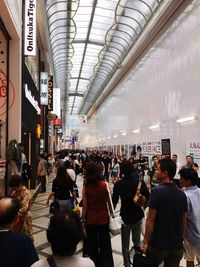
[(188, 181), (95, 216), (17, 249), (62, 190), (23, 222), (131, 213), (42, 172), (166, 219), (64, 233)]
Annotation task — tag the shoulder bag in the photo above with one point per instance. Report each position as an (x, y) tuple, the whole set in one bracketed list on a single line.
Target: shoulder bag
[(51, 261), (115, 223)]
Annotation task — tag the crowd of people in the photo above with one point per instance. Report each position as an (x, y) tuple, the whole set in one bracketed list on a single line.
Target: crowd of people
[(168, 190)]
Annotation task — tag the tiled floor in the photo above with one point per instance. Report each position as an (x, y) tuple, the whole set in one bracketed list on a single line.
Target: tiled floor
[(40, 223)]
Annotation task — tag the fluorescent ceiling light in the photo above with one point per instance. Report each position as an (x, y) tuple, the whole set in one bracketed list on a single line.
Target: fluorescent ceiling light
[(154, 126), (104, 138), (123, 133), (108, 137), (115, 136), (136, 131), (186, 119)]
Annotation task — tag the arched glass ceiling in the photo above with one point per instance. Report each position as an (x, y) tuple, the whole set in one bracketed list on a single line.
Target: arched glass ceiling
[(89, 40)]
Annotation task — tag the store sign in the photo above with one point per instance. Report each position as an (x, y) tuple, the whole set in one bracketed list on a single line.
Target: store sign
[(44, 88), (32, 99), (30, 28), (151, 148), (56, 101), (165, 144), (193, 149), (51, 116), (57, 122), (50, 92)]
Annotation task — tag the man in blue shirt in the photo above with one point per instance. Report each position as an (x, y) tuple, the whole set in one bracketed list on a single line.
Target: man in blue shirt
[(16, 250), (166, 219), (189, 180)]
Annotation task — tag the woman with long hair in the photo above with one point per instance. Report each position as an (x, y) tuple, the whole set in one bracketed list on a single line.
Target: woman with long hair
[(62, 190), (95, 216)]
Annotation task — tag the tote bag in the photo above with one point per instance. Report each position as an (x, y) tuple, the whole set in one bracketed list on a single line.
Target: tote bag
[(115, 223)]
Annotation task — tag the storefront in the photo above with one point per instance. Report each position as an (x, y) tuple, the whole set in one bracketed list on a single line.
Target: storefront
[(30, 122), (5, 87)]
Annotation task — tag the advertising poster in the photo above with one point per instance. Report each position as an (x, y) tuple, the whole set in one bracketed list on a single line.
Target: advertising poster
[(193, 149)]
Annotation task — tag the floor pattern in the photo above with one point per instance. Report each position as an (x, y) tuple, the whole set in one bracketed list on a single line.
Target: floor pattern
[(40, 223)]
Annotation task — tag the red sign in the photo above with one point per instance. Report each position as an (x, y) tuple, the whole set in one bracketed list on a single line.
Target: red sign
[(57, 122)]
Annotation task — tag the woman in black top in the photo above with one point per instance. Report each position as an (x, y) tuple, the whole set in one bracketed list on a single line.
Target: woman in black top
[(62, 190)]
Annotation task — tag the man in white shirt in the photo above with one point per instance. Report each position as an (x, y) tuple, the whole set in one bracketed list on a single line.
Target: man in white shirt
[(178, 167)]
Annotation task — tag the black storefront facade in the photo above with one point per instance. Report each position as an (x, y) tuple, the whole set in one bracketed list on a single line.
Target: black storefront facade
[(30, 122)]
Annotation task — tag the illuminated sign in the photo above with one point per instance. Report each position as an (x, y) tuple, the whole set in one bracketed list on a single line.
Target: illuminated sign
[(30, 28), (56, 101), (44, 88), (32, 99), (50, 92)]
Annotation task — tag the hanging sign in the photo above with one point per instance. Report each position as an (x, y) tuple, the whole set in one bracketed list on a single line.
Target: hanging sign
[(44, 88), (30, 28), (50, 92), (56, 102)]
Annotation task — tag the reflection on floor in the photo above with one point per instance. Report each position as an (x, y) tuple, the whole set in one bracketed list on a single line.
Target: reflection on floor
[(41, 219)]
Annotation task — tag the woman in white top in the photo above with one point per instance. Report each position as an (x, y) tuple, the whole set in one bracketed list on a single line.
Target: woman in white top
[(64, 233), (70, 171)]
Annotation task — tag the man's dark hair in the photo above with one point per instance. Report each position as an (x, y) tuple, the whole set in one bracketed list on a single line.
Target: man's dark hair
[(92, 172), (169, 166), (174, 155), (154, 156), (9, 213), (189, 156), (64, 233), (189, 174), (127, 169)]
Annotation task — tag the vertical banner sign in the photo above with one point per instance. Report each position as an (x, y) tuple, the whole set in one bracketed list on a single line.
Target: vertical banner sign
[(165, 144), (30, 28), (50, 93), (44, 88), (56, 102)]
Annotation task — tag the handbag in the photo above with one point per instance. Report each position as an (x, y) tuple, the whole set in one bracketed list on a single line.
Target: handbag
[(138, 198), (115, 225), (54, 207), (115, 222)]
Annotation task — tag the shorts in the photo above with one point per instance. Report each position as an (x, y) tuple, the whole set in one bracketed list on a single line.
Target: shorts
[(191, 252), (115, 174)]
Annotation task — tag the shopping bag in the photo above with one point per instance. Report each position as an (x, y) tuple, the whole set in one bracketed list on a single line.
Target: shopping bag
[(115, 225)]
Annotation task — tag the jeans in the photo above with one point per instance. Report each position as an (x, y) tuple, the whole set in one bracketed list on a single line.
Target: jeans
[(170, 257), (125, 236), (99, 242)]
